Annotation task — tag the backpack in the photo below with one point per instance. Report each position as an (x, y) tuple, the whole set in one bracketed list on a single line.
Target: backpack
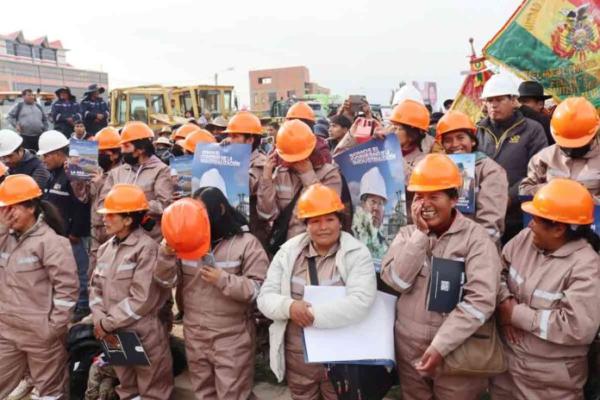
[(20, 107), (83, 347)]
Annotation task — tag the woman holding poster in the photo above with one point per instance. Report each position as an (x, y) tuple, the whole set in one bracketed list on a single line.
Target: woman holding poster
[(326, 256), (431, 322), (294, 166), (456, 133)]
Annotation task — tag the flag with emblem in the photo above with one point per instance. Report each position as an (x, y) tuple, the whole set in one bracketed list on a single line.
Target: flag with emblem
[(556, 43), (468, 99)]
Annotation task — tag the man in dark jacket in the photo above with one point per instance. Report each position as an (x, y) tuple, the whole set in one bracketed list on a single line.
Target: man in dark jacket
[(532, 98), (54, 150), (19, 160), (94, 109), (511, 140), (65, 111)]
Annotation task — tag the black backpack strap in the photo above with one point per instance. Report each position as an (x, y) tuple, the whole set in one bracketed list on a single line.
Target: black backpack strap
[(312, 271)]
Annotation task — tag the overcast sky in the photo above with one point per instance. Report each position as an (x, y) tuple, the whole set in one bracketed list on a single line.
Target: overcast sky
[(351, 47)]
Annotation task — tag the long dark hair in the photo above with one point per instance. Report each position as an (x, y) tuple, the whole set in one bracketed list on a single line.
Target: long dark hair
[(52, 216), (225, 221), (415, 135)]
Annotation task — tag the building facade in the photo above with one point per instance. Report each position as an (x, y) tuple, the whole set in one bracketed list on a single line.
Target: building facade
[(270, 85), (41, 64)]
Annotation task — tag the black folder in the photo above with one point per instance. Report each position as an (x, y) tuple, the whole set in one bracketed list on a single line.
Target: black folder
[(124, 348), (446, 284)]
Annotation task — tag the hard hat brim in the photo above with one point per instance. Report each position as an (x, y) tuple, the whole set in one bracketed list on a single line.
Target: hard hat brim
[(530, 208), (319, 213), (105, 211), (303, 155), (194, 254), (574, 143), (430, 188), (10, 151)]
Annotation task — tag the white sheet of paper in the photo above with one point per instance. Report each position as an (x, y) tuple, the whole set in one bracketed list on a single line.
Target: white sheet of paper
[(370, 339)]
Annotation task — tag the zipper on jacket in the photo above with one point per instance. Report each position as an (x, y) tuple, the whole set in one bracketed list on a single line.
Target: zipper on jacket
[(500, 142)]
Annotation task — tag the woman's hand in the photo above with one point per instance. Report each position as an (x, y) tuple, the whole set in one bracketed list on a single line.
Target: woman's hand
[(210, 274), (429, 362), (301, 314), (270, 166), (417, 218)]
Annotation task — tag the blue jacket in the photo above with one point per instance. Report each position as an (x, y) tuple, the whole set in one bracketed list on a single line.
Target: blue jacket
[(61, 111), (89, 109)]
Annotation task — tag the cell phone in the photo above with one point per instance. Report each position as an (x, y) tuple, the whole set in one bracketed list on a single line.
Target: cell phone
[(356, 102), (209, 260)]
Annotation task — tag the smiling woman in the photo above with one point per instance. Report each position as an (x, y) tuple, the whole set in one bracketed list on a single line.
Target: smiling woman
[(326, 256), (425, 337)]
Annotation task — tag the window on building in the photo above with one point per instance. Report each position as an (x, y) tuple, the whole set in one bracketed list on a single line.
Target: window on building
[(291, 93), (265, 81), (24, 50), (139, 108), (49, 54), (11, 48)]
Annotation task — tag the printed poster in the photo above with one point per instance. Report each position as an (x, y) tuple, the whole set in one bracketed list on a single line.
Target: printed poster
[(226, 168), (83, 159), (181, 174), (374, 172), (466, 166)]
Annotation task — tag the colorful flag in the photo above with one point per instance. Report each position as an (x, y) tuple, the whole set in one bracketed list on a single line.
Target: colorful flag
[(468, 99), (556, 43)]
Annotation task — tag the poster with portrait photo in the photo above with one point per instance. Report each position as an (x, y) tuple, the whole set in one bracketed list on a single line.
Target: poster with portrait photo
[(466, 166), (374, 173)]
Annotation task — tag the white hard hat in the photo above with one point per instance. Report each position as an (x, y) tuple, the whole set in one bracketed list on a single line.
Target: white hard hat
[(372, 182), (163, 140), (9, 142), (500, 85), (212, 178), (50, 141), (407, 92)]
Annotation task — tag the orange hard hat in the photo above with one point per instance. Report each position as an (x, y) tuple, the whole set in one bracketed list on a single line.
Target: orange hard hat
[(295, 141), (124, 198), (562, 200), (574, 122), (434, 172), (183, 131), (454, 120), (318, 200), (108, 138), (300, 110), (17, 189), (244, 122), (136, 130), (411, 113), (186, 228), (199, 136)]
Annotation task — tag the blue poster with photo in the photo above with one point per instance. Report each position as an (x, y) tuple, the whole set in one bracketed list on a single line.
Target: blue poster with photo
[(181, 174), (226, 168), (83, 159), (374, 173), (596, 224), (466, 166)]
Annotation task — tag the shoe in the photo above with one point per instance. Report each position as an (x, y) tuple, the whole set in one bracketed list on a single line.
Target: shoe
[(178, 319), (25, 387), (79, 314)]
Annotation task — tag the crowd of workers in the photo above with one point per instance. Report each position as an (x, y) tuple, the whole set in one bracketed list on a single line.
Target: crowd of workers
[(535, 287)]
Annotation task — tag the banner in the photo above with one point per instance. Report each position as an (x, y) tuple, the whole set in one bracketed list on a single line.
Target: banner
[(556, 43), (226, 168), (83, 159), (181, 173), (468, 99), (374, 172), (466, 166)]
